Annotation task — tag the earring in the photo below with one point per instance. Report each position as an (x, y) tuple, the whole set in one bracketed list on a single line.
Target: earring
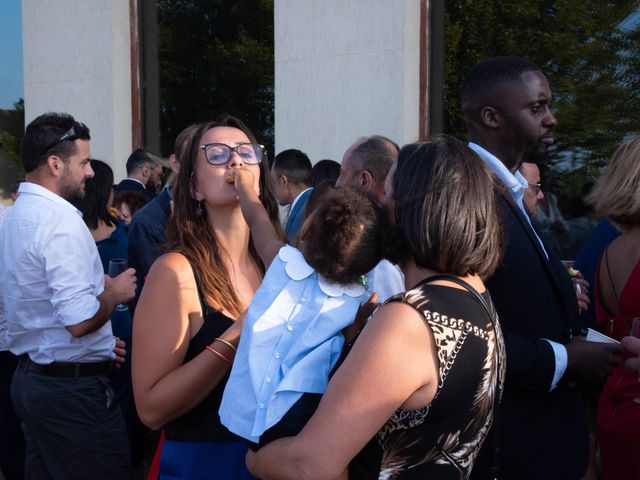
[(199, 209)]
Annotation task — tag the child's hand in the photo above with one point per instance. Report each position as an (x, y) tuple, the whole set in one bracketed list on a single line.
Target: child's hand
[(242, 176), (364, 312)]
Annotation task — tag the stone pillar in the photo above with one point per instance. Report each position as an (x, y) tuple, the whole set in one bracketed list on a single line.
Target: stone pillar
[(346, 69), (77, 59)]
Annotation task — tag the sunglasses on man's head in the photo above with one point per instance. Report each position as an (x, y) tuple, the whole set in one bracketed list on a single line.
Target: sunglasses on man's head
[(72, 134)]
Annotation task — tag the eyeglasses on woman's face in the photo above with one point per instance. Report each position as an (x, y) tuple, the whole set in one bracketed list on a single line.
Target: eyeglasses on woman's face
[(220, 153)]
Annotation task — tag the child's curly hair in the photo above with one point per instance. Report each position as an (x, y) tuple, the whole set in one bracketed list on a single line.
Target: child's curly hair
[(344, 235)]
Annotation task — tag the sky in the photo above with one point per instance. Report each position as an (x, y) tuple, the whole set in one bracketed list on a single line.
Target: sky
[(11, 76)]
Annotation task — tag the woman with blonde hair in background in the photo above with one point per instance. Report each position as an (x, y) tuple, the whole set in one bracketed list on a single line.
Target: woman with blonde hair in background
[(617, 294)]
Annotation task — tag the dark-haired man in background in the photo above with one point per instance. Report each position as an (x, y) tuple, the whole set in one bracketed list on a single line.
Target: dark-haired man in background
[(291, 175), (541, 424), (144, 174), (58, 303)]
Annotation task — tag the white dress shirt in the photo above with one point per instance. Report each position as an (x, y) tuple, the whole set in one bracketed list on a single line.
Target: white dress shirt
[(516, 185), (290, 342), (386, 279), (50, 277)]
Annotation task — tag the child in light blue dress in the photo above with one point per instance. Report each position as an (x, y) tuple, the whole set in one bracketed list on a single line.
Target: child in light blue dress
[(291, 339)]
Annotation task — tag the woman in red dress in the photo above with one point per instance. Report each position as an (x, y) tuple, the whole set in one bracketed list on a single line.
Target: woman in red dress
[(617, 293)]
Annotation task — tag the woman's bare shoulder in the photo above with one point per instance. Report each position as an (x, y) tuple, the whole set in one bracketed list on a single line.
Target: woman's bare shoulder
[(170, 273), (397, 315), (174, 262)]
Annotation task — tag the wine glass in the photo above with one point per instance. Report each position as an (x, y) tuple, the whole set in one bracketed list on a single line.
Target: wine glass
[(635, 332), (116, 267), (635, 327)]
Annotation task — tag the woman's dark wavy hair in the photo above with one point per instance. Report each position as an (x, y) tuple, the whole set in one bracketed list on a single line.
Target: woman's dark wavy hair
[(190, 234), (346, 235), (447, 209), (97, 190)]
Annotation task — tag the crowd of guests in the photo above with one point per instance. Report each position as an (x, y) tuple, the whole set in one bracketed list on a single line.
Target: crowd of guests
[(408, 319)]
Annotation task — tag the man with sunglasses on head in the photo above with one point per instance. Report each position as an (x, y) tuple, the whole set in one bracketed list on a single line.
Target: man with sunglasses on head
[(58, 304)]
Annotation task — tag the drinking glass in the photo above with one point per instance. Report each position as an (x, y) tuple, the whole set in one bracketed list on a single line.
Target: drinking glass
[(635, 332), (635, 327), (116, 267)]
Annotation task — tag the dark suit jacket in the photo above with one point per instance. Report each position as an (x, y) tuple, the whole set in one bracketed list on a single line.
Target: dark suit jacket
[(147, 234), (295, 218), (542, 434), (128, 185)]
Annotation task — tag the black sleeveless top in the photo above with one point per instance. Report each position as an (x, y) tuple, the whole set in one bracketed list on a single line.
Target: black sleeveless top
[(203, 422), (443, 439)]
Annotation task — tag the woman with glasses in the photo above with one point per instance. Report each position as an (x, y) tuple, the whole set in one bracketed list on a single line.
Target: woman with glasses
[(187, 322)]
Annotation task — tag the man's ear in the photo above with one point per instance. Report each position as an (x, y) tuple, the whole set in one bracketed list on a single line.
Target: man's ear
[(283, 179), (366, 180), (145, 171), (55, 165), (490, 117)]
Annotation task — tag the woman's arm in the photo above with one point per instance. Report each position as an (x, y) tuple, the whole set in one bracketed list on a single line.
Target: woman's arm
[(164, 388), (265, 237), (393, 364)]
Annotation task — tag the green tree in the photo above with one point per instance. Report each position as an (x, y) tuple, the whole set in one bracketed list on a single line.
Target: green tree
[(11, 132), (587, 49), (215, 56)]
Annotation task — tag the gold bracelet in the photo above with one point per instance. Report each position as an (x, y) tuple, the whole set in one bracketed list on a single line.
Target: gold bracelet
[(215, 352), (229, 344)]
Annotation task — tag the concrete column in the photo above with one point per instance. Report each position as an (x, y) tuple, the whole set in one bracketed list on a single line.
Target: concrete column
[(345, 69), (77, 60)]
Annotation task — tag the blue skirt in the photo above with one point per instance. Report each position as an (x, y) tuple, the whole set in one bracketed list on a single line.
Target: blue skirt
[(203, 460)]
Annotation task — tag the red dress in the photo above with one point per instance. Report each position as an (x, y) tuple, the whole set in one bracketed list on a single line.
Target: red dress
[(618, 418)]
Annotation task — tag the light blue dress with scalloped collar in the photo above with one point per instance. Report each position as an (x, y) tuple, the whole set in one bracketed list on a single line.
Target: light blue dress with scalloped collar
[(289, 344)]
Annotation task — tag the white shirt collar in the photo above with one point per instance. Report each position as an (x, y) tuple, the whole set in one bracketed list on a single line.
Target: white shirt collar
[(293, 204), (39, 190), (514, 182)]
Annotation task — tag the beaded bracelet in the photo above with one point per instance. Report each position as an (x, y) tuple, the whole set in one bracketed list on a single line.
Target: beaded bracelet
[(229, 344), (215, 352)]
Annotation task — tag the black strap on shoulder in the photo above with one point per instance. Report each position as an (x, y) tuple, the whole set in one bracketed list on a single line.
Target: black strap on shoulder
[(453, 279), (613, 287)]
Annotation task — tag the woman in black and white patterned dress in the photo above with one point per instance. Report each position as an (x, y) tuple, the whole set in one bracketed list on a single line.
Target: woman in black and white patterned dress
[(420, 385)]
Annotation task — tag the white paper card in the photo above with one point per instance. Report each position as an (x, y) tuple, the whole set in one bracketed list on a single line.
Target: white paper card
[(595, 336)]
